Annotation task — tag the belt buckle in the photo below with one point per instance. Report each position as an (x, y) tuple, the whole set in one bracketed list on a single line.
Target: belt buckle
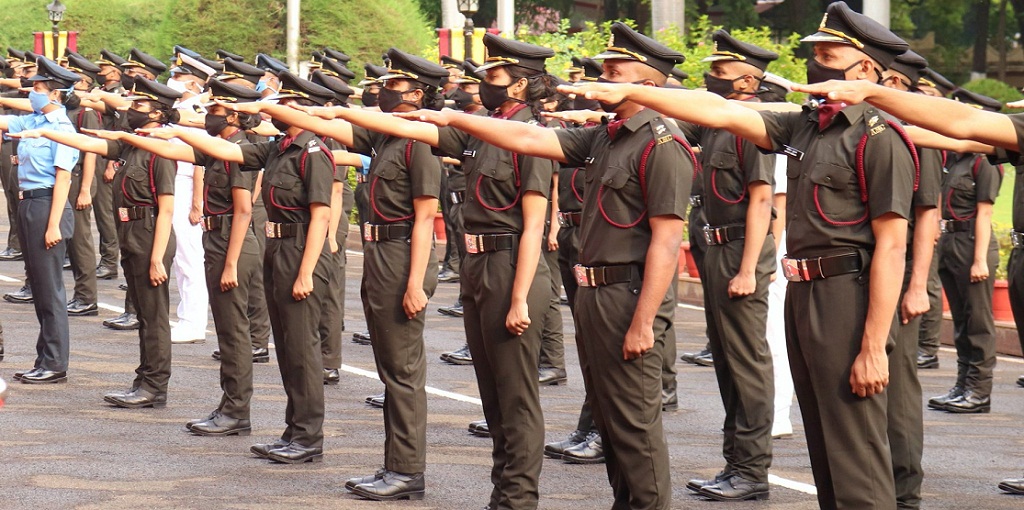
[(696, 201), (563, 221), (122, 214), (456, 199), (709, 235), (21, 195), (1016, 238), (944, 226), (473, 244), (581, 276), (368, 232), (793, 269), (271, 230)]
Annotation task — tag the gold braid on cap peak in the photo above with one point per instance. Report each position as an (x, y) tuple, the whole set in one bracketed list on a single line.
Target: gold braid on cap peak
[(831, 31)]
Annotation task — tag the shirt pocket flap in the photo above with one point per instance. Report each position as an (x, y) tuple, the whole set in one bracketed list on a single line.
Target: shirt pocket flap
[(388, 170), (497, 167), (723, 160), (284, 181), (136, 173), (615, 177), (831, 176), (217, 179)]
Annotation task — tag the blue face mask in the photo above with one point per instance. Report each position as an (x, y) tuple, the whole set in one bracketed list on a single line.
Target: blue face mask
[(38, 101)]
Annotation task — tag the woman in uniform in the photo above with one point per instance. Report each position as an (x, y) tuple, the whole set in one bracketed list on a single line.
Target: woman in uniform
[(143, 200)]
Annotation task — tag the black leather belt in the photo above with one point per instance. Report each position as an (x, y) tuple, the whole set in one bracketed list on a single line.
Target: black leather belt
[(1017, 238), (458, 197), (283, 230), (126, 214), (480, 243), (696, 200), (35, 193), (804, 270), (374, 233), (950, 226), (214, 222), (570, 219), (724, 235), (604, 275)]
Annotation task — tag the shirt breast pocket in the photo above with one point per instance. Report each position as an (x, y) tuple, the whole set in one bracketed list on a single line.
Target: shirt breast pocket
[(837, 194), (136, 186), (620, 198), (217, 179), (726, 178), (287, 192), (496, 186)]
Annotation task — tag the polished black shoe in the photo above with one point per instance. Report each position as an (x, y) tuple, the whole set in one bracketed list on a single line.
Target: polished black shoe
[(587, 452), (261, 355), (479, 428), (939, 402), (40, 376), (262, 449), (352, 482), (925, 361), (552, 377), (459, 357), (1, 349), (332, 376), (455, 310), (696, 483), (376, 401), (67, 262), (735, 488), (120, 394), (448, 276), (704, 359), (556, 449), (361, 337), (124, 322), (106, 273), (11, 254), (295, 453), (221, 425), (690, 357), (212, 415), (24, 295), (23, 373), (137, 399), (968, 403), (669, 400), (1020, 380), (1013, 485), (122, 286), (77, 308), (392, 486)]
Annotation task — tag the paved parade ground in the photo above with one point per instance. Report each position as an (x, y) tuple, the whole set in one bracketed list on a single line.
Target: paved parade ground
[(61, 446)]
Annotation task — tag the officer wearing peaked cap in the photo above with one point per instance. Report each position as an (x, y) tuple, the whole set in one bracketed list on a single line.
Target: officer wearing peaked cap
[(272, 67), (109, 81), (227, 55), (44, 215), (334, 68), (337, 55), (181, 50), (237, 72), (934, 84), (371, 84), (976, 100), (140, 65), (737, 182)]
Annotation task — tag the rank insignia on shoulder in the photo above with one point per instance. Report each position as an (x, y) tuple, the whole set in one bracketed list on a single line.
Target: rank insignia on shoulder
[(664, 139), (312, 147), (659, 129), (872, 121), (877, 129)]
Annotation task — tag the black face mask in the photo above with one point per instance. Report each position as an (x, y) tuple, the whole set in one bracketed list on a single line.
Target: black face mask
[(582, 103), (390, 100), (215, 124), (462, 99), (721, 86), (817, 73), (369, 98), (137, 119), (493, 96), (128, 82), (281, 126), (611, 107)]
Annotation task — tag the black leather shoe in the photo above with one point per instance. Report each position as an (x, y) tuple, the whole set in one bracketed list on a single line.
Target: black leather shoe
[(587, 452), (696, 483), (137, 399), (221, 425), (261, 355), (552, 377), (122, 286), (262, 449), (1020, 380), (67, 262), (376, 401), (704, 359), (120, 394), (556, 449), (77, 308), (479, 428), (669, 400), (459, 357), (212, 415), (969, 402), (1013, 485), (361, 337), (23, 373), (455, 310), (392, 486), (352, 482), (940, 401), (448, 276), (124, 322), (106, 273), (1, 349), (11, 254), (295, 453), (40, 376), (690, 357), (24, 295), (925, 361), (332, 376), (735, 488)]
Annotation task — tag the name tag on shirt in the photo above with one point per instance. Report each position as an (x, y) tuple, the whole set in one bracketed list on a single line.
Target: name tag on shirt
[(793, 152)]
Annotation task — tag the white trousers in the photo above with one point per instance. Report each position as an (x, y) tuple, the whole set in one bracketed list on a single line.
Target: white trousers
[(776, 334), (188, 266)]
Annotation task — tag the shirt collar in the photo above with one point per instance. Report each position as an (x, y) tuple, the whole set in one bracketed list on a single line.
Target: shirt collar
[(639, 119), (300, 140), (852, 113), (55, 115)]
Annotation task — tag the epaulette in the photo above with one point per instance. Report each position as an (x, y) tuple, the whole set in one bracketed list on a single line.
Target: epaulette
[(876, 124), (660, 131)]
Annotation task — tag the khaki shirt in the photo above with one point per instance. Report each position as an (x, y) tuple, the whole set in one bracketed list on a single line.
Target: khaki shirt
[(289, 187), (400, 170)]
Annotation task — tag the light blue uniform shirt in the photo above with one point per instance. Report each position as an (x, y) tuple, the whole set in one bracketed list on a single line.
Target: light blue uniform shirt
[(38, 158)]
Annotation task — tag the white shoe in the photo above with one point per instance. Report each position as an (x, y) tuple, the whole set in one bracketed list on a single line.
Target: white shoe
[(782, 429), (183, 336)]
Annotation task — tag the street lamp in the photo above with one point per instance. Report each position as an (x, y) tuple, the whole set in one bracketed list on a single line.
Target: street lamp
[(468, 8), (56, 14)]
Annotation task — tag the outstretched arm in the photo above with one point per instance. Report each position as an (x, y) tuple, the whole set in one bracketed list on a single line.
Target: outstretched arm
[(698, 107), (924, 138), (518, 137), (161, 148), (209, 145), (918, 109), (78, 141)]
